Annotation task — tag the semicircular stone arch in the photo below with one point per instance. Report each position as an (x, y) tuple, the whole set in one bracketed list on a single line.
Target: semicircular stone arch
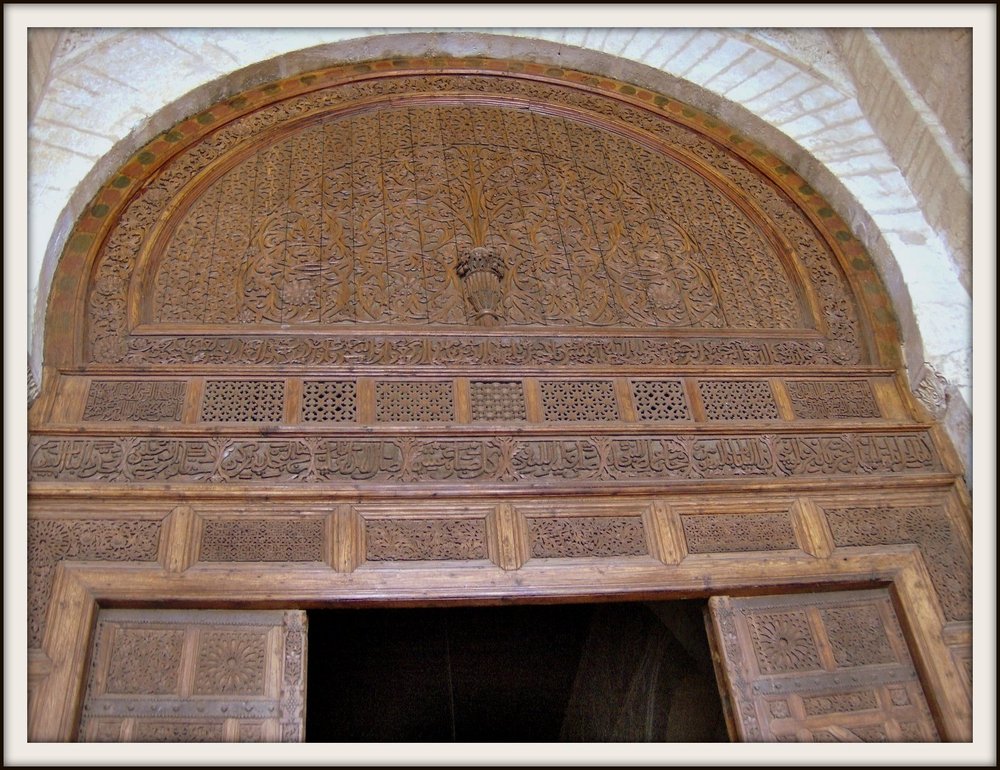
[(525, 322)]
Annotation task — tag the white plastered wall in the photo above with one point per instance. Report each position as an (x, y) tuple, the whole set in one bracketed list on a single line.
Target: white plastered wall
[(106, 93)]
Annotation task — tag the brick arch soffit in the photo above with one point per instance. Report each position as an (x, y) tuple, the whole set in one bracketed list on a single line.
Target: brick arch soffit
[(879, 328)]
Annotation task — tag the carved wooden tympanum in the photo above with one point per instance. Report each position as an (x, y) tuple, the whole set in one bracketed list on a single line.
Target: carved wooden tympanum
[(817, 668), (472, 330), (196, 676)]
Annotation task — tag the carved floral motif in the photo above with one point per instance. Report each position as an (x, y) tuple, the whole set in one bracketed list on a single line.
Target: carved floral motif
[(569, 536), (231, 663), (783, 642)]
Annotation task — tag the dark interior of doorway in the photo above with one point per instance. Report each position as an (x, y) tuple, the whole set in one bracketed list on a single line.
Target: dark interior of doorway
[(628, 671)]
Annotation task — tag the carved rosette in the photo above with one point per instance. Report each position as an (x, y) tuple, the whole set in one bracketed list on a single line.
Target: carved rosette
[(482, 270)]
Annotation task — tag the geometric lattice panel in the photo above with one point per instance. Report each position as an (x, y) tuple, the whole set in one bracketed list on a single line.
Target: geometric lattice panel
[(579, 400), (497, 400), (243, 401), (660, 400), (329, 401), (414, 402), (738, 400)]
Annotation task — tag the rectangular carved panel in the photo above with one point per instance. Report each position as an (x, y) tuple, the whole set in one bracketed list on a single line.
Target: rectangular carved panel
[(134, 400), (238, 540), (817, 667), (414, 402), (577, 401), (194, 676), (425, 539), (570, 536), (730, 532), (738, 400), (494, 401), (826, 400), (657, 400), (243, 401), (329, 401)]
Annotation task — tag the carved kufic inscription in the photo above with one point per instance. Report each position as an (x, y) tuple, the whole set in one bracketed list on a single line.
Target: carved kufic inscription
[(579, 400), (657, 400), (738, 400), (329, 401), (162, 675), (262, 540), (499, 459), (333, 349), (134, 400), (425, 539), (824, 399), (726, 533), (243, 401), (414, 402), (569, 536), (497, 400)]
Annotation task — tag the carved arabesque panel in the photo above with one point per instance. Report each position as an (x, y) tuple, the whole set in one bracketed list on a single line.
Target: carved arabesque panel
[(420, 539), (597, 227), (734, 532), (571, 536)]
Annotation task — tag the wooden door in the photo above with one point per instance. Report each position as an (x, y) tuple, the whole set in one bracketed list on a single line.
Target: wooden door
[(816, 668), (196, 676)]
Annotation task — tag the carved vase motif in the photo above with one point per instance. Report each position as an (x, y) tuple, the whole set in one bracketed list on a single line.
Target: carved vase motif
[(482, 270)]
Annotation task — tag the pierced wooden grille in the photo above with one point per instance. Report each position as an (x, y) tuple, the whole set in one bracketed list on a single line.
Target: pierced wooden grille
[(414, 402), (497, 401), (329, 401), (243, 401), (142, 401), (738, 400), (579, 400), (657, 400)]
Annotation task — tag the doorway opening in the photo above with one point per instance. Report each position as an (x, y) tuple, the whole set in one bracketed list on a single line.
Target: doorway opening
[(625, 671)]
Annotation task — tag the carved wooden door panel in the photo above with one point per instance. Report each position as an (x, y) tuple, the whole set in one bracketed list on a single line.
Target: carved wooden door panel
[(196, 676), (817, 668)]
